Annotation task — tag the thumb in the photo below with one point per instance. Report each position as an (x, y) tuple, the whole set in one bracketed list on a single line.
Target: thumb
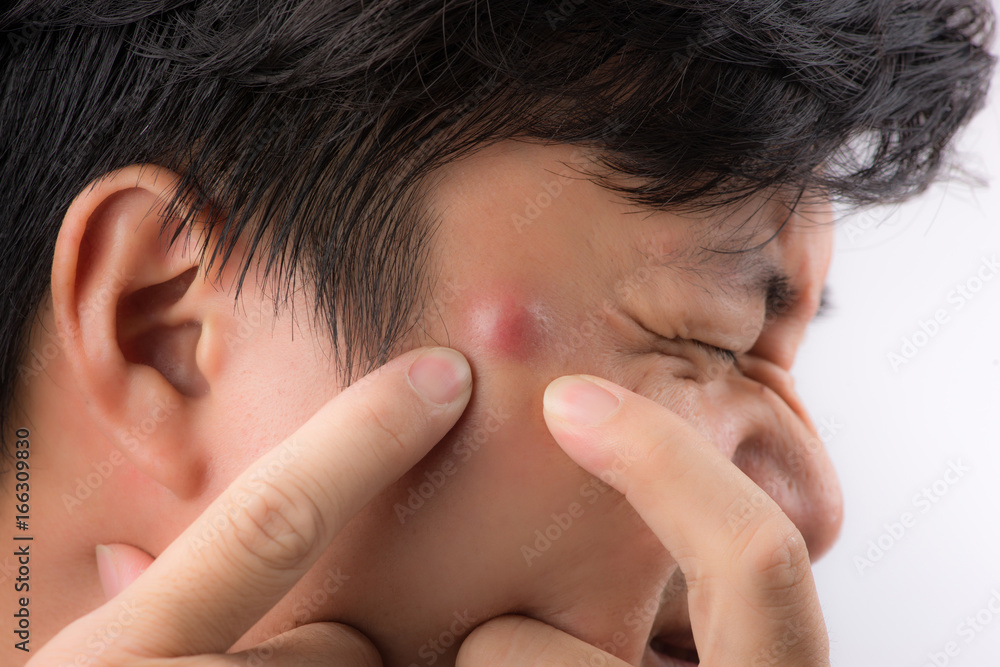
[(119, 565)]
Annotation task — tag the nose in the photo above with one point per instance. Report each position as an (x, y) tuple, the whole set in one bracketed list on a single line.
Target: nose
[(764, 428)]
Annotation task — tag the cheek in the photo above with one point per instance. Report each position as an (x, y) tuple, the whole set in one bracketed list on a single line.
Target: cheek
[(274, 382)]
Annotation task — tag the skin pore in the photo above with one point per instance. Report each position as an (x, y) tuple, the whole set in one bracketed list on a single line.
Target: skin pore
[(537, 272)]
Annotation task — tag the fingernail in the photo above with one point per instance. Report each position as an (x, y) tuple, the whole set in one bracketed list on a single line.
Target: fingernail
[(580, 401), (107, 571), (440, 375)]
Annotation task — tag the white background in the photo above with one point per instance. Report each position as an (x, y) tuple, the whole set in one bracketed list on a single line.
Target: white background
[(894, 432)]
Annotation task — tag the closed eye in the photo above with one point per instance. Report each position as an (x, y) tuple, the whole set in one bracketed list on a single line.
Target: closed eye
[(720, 352)]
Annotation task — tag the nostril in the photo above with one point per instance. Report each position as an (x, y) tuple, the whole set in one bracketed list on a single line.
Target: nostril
[(808, 492), (782, 454), (679, 652), (765, 463)]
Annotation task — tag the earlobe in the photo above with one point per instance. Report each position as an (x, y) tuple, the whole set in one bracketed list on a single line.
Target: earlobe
[(132, 311)]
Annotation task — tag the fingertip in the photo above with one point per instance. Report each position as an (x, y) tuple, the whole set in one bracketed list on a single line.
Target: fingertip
[(118, 565), (440, 375), (580, 401), (107, 572)]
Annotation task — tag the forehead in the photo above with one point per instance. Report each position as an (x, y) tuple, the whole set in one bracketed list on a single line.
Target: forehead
[(529, 221), (542, 205)]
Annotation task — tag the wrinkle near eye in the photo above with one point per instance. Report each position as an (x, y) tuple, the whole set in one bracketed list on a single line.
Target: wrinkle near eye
[(702, 362)]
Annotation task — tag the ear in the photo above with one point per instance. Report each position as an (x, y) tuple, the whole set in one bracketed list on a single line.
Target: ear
[(136, 318)]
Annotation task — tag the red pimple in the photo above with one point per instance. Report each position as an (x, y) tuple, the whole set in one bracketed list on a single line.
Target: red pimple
[(506, 327)]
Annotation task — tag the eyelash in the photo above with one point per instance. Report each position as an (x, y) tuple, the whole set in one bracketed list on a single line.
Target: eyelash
[(720, 352)]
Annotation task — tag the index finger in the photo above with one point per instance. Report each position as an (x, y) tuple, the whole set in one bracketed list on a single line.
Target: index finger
[(272, 523), (745, 562)]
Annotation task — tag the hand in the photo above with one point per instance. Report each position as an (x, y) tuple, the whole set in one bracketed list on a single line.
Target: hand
[(268, 528), (751, 596)]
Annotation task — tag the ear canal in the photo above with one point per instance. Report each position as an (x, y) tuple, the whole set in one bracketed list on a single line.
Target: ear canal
[(147, 337), (171, 351)]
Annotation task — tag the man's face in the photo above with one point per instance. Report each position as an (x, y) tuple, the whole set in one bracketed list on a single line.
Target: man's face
[(539, 272)]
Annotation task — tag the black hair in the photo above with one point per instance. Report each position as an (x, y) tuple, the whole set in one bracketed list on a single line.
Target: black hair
[(312, 125)]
